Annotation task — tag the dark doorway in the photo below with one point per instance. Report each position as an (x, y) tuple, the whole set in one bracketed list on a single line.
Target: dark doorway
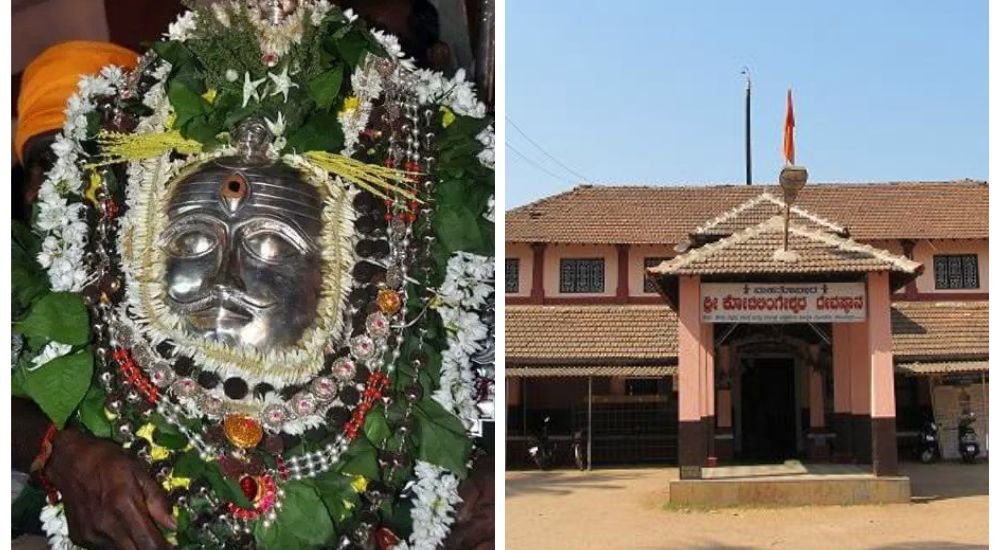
[(768, 409)]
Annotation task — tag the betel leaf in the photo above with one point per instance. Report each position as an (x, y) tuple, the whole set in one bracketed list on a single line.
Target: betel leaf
[(189, 465), (442, 439), (187, 103), (360, 459), (59, 316), (338, 494), (59, 385), (376, 428), (92, 413), (321, 132), (325, 87), (303, 521), (458, 229), (351, 46)]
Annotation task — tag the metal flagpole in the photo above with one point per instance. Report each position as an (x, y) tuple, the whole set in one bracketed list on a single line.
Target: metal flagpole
[(590, 414), (746, 73)]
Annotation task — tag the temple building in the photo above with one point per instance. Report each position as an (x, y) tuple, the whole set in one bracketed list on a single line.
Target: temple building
[(704, 326)]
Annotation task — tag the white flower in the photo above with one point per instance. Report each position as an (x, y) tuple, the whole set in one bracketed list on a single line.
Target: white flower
[(435, 495), (56, 528), (232, 75), (319, 11), (250, 88), (221, 15), (391, 45), (183, 28), (114, 75), (458, 94), (91, 85), (277, 127), (350, 16), (490, 215), (51, 351), (282, 83), (485, 157)]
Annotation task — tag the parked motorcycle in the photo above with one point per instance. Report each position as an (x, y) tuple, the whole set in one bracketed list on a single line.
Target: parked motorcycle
[(927, 448), (968, 443), (543, 451), (579, 450)]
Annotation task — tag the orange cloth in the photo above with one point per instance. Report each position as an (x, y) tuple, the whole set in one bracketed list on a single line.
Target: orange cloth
[(53, 76), (789, 132)]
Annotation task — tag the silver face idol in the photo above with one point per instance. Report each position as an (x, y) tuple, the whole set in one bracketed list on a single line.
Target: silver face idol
[(243, 260)]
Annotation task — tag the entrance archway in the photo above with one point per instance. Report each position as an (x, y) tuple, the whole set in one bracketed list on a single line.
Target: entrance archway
[(769, 381)]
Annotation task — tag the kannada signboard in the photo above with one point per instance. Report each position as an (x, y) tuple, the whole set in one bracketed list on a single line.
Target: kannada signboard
[(783, 302)]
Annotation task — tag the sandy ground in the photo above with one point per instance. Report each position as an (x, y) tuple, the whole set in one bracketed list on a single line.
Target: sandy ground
[(625, 508)]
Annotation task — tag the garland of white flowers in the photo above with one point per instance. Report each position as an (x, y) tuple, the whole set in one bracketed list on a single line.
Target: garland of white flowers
[(61, 223), (56, 527), (467, 287), (435, 495)]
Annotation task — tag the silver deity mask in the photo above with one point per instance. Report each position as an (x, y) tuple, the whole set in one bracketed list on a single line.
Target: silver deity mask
[(243, 261)]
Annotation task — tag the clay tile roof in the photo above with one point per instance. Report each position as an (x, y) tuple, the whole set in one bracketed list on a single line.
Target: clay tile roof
[(760, 209), (665, 215), (753, 250), (638, 335), (599, 334), (946, 367), (573, 371), (929, 330)]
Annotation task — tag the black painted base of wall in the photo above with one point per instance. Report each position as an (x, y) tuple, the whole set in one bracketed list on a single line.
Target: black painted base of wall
[(843, 447), (861, 437), (692, 448), (884, 461)]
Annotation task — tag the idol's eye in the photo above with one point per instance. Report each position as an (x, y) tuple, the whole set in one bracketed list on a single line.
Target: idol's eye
[(270, 246), (191, 243)]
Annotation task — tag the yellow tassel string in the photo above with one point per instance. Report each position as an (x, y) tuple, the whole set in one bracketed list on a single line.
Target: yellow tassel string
[(370, 177), (118, 147)]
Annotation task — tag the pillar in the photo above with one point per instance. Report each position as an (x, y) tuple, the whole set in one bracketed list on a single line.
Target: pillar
[(819, 448), (883, 389), (724, 408), (861, 420), (617, 385), (707, 349), (621, 293), (841, 422), (691, 444), (538, 273)]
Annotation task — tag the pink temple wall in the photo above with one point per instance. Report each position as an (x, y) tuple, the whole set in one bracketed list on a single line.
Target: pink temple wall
[(525, 256), (923, 252), (637, 255)]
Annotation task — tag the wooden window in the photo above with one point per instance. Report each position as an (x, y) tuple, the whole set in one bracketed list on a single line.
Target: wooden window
[(512, 274), (581, 275), (956, 271), (647, 284)]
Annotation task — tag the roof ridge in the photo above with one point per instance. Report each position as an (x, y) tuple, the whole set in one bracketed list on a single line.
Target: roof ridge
[(766, 196), (850, 245), (777, 223)]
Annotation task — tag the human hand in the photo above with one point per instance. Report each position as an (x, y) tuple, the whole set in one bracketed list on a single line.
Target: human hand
[(110, 501)]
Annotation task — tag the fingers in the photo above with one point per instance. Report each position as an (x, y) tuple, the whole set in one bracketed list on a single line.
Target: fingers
[(156, 501), (134, 529)]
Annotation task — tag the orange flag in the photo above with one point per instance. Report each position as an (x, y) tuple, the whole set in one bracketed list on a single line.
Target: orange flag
[(789, 132)]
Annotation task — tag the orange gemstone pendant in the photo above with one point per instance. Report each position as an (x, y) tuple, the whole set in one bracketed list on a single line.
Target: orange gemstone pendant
[(242, 431), (388, 301)]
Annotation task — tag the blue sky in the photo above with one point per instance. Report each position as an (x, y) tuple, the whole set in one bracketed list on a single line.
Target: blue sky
[(650, 92)]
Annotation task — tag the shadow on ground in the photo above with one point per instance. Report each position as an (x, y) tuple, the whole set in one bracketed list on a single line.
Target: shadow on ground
[(928, 545), (943, 480), (565, 482)]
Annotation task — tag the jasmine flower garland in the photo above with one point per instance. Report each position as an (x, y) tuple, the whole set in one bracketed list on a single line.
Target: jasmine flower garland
[(465, 292), (435, 497)]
